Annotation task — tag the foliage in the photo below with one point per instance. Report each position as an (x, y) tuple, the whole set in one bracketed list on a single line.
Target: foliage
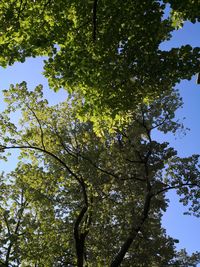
[(90, 185), (107, 52), (101, 197), (186, 9)]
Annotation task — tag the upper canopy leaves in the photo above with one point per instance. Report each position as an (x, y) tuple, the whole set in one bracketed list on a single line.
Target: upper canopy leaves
[(106, 51)]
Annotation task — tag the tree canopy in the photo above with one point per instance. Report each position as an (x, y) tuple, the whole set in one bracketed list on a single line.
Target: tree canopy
[(103, 198), (107, 52), (90, 185)]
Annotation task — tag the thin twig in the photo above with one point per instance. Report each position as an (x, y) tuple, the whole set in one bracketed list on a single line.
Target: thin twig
[(41, 130)]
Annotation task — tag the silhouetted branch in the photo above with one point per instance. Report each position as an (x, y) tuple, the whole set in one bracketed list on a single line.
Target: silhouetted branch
[(94, 19)]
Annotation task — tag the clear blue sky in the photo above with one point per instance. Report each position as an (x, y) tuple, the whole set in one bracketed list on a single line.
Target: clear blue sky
[(184, 228)]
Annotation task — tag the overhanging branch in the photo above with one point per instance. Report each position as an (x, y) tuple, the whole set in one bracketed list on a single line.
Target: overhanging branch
[(44, 151), (175, 187)]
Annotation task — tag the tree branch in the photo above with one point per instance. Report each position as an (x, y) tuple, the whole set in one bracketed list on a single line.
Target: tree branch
[(44, 151), (135, 230), (94, 19), (174, 187), (78, 235), (133, 234), (41, 130)]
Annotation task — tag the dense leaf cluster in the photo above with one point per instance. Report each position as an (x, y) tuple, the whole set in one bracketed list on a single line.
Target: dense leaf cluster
[(106, 51), (89, 188)]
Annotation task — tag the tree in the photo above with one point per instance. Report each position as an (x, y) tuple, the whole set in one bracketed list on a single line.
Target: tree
[(11, 222), (106, 193), (28, 238), (90, 164), (106, 51)]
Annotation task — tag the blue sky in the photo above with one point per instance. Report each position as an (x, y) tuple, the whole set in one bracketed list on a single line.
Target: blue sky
[(184, 228)]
